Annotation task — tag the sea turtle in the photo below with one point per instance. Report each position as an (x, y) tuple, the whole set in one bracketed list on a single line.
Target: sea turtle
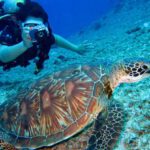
[(69, 110)]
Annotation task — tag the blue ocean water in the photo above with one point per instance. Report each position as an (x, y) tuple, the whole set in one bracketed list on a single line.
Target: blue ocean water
[(69, 16), (117, 30)]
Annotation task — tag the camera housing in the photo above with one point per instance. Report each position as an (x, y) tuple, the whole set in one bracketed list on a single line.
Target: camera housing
[(38, 34)]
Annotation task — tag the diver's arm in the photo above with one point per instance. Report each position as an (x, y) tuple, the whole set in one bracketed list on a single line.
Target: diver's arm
[(9, 53), (62, 42)]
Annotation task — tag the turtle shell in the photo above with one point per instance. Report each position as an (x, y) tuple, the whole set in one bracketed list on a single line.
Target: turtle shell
[(55, 108)]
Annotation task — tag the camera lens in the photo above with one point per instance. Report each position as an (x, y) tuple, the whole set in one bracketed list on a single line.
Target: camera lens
[(40, 34)]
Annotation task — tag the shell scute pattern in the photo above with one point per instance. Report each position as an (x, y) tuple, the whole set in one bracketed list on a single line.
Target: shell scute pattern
[(56, 107)]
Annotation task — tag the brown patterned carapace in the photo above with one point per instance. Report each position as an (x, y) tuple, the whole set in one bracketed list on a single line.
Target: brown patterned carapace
[(57, 107)]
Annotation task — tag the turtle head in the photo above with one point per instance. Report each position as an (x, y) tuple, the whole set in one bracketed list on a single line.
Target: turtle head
[(129, 73)]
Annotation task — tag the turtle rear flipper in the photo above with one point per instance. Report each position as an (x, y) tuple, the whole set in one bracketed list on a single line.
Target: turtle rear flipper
[(107, 128)]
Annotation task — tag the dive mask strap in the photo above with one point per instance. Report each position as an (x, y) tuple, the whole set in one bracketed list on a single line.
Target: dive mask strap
[(5, 16)]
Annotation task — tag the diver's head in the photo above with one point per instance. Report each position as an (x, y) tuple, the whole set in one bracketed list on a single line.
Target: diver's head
[(11, 6), (32, 10)]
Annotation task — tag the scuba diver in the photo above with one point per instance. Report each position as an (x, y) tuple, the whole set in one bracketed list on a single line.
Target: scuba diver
[(25, 35)]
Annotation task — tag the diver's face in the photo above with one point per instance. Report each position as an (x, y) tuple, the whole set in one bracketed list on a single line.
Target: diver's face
[(32, 21)]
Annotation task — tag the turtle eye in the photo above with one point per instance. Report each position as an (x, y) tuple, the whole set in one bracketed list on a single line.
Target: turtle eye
[(148, 71)]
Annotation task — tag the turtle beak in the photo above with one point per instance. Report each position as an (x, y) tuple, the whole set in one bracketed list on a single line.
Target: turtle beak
[(148, 70)]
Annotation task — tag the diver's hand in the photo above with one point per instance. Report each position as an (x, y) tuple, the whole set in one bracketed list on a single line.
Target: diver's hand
[(26, 37), (84, 47)]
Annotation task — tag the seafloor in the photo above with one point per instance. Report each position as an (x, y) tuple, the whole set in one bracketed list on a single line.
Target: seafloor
[(123, 33)]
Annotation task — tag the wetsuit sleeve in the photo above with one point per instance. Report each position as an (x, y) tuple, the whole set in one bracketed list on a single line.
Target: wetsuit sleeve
[(51, 36)]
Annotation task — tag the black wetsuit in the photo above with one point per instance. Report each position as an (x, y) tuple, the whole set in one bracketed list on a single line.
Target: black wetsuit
[(11, 35)]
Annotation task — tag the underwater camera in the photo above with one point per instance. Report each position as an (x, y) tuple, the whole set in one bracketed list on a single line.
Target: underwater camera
[(39, 33)]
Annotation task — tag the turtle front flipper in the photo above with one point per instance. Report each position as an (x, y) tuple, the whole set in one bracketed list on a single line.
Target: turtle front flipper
[(107, 128), (6, 146), (3, 138)]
